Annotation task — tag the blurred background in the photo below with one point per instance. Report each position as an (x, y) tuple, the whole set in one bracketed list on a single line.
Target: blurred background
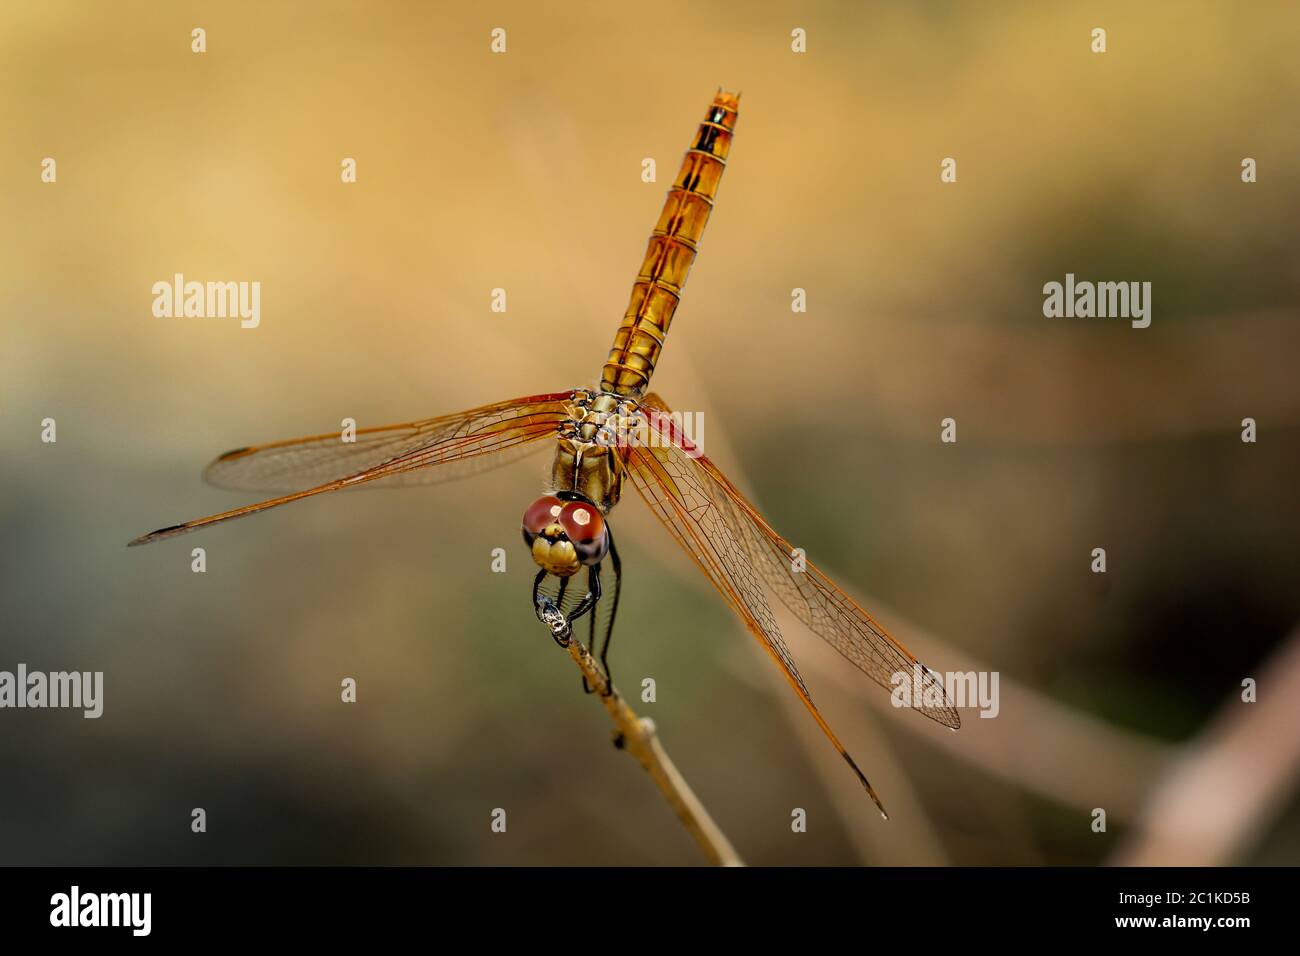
[(522, 171)]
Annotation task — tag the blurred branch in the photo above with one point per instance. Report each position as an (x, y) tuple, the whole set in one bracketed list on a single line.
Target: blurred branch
[(1228, 783), (637, 736)]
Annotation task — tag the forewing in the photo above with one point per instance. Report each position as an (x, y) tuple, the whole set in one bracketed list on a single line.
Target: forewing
[(302, 463), (454, 441)]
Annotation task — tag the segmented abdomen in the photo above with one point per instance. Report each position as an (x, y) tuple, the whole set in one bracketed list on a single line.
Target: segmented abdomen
[(672, 249)]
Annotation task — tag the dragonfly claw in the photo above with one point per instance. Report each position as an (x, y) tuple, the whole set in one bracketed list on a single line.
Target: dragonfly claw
[(554, 618)]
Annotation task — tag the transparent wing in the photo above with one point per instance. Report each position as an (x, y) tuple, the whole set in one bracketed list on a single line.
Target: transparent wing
[(301, 463), (395, 454), (693, 509), (808, 593)]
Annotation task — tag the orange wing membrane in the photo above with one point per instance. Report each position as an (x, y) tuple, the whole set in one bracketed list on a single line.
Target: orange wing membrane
[(731, 542), (435, 449)]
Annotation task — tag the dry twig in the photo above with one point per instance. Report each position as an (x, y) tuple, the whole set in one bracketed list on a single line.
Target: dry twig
[(1229, 782), (637, 736)]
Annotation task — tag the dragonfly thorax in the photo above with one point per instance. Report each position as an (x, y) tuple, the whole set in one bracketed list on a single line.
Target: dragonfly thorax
[(592, 448)]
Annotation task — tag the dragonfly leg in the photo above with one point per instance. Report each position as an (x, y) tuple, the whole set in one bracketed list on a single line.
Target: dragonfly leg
[(591, 644), (549, 613), (588, 605), (538, 598), (591, 598), (617, 566)]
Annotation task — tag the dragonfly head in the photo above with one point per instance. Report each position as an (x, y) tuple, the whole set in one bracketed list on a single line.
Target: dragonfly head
[(565, 534)]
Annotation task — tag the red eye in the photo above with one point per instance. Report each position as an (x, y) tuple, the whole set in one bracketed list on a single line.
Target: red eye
[(582, 522), (542, 512)]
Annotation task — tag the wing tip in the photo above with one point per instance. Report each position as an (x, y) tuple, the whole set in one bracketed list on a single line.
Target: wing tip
[(158, 535), (866, 784), (946, 717)]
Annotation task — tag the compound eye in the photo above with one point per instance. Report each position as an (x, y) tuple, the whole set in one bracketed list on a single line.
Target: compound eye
[(582, 522), (542, 512)]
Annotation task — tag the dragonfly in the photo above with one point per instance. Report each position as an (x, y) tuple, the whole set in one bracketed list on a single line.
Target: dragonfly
[(604, 438)]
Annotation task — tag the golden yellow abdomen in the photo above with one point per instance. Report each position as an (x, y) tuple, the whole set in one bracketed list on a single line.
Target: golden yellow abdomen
[(672, 249)]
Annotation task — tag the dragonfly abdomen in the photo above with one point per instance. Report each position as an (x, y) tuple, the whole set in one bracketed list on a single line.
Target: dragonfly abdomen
[(673, 246)]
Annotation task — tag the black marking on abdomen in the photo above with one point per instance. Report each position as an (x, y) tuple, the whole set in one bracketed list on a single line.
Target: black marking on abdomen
[(708, 134)]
